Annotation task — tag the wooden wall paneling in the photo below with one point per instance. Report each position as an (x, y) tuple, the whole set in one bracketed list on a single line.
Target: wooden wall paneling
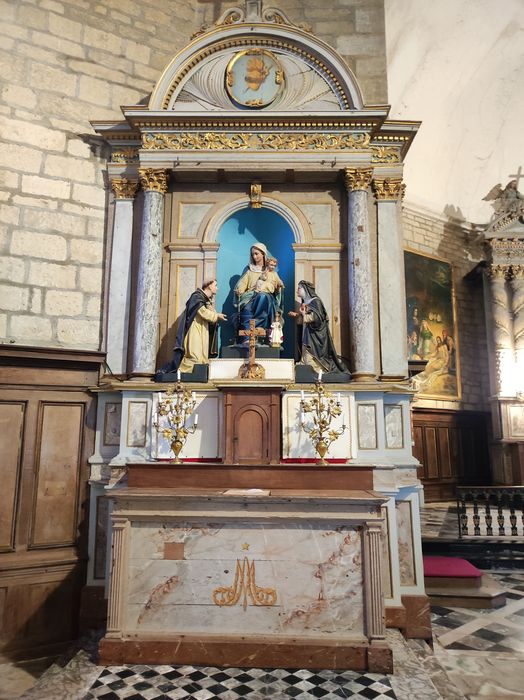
[(431, 453), (444, 452), (12, 416), (60, 434), (47, 454), (454, 449), (418, 449), (41, 608)]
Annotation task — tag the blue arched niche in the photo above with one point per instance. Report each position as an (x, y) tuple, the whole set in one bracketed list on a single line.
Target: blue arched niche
[(236, 236)]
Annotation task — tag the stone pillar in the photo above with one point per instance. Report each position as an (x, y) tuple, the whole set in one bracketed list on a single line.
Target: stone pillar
[(391, 286), (374, 597), (502, 329), (117, 330), (119, 547), (154, 184), (517, 307), (361, 309)]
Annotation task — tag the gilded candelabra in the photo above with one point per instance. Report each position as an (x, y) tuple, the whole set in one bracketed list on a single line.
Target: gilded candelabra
[(172, 414), (323, 407)]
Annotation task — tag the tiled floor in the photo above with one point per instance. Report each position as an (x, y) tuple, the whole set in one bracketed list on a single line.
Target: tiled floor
[(185, 682), (478, 654)]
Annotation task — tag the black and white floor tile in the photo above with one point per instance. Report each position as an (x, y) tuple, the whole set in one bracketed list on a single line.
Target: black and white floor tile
[(205, 683)]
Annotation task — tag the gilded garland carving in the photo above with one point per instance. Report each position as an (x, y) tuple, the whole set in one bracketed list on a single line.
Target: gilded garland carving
[(385, 154), (124, 188), (153, 180), (389, 189), (507, 250), (357, 178), (221, 141)]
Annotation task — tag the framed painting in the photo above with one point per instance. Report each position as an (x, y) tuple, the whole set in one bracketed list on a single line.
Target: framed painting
[(432, 341)]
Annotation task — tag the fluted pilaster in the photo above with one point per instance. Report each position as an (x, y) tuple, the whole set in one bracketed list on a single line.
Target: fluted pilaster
[(119, 300), (361, 307), (117, 586), (154, 184), (374, 596), (391, 287), (517, 308), (502, 329)]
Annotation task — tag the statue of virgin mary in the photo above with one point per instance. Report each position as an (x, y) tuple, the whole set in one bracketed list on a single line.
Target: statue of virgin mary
[(258, 292)]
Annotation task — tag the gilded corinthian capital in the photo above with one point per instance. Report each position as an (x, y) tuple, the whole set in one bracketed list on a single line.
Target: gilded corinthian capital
[(357, 178), (153, 180), (124, 188), (498, 272), (389, 189), (517, 272)]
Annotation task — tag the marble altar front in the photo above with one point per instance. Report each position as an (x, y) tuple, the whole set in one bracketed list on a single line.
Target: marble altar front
[(247, 577)]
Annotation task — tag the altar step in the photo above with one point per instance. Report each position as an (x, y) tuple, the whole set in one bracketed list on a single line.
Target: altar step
[(455, 582)]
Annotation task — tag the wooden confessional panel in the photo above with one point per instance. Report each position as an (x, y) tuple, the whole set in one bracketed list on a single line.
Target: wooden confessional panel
[(452, 447), (47, 417)]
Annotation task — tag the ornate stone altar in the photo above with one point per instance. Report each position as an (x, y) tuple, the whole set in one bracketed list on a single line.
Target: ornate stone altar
[(179, 531)]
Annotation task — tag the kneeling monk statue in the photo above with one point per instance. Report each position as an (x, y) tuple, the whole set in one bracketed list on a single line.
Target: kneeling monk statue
[(196, 330)]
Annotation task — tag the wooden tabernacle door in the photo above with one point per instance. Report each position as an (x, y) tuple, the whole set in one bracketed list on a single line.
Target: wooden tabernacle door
[(252, 425)]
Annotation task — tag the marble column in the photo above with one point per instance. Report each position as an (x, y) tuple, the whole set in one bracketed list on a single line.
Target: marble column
[(117, 331), (391, 287), (517, 308), (147, 314), (374, 597), (361, 308), (117, 588), (502, 329)]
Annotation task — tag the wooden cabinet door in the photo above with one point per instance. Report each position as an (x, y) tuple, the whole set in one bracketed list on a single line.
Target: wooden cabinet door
[(252, 426)]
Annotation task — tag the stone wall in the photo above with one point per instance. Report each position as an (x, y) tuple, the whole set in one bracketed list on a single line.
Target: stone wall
[(67, 63), (449, 241)]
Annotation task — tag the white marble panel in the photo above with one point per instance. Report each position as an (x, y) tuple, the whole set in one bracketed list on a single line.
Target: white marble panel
[(516, 421), (205, 442), (321, 593), (319, 219), (186, 283), (393, 424), (190, 216), (137, 424), (112, 421), (283, 370), (323, 280), (405, 543), (296, 443), (367, 426)]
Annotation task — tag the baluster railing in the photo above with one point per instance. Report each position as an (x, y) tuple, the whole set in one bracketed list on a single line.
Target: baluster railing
[(477, 506)]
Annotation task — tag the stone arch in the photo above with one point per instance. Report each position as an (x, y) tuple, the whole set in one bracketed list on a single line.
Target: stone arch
[(215, 223), (287, 38)]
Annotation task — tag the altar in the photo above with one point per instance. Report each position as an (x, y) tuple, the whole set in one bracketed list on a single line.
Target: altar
[(252, 530), (248, 577)]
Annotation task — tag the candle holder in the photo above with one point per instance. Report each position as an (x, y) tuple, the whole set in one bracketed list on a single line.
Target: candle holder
[(323, 408), (172, 414)]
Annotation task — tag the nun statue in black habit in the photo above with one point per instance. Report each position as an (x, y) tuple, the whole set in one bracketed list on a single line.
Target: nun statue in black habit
[(316, 346)]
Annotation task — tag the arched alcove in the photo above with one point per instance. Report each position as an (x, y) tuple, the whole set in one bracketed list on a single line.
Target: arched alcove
[(236, 235)]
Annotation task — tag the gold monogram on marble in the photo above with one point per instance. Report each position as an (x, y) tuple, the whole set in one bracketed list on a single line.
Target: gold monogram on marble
[(244, 587)]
